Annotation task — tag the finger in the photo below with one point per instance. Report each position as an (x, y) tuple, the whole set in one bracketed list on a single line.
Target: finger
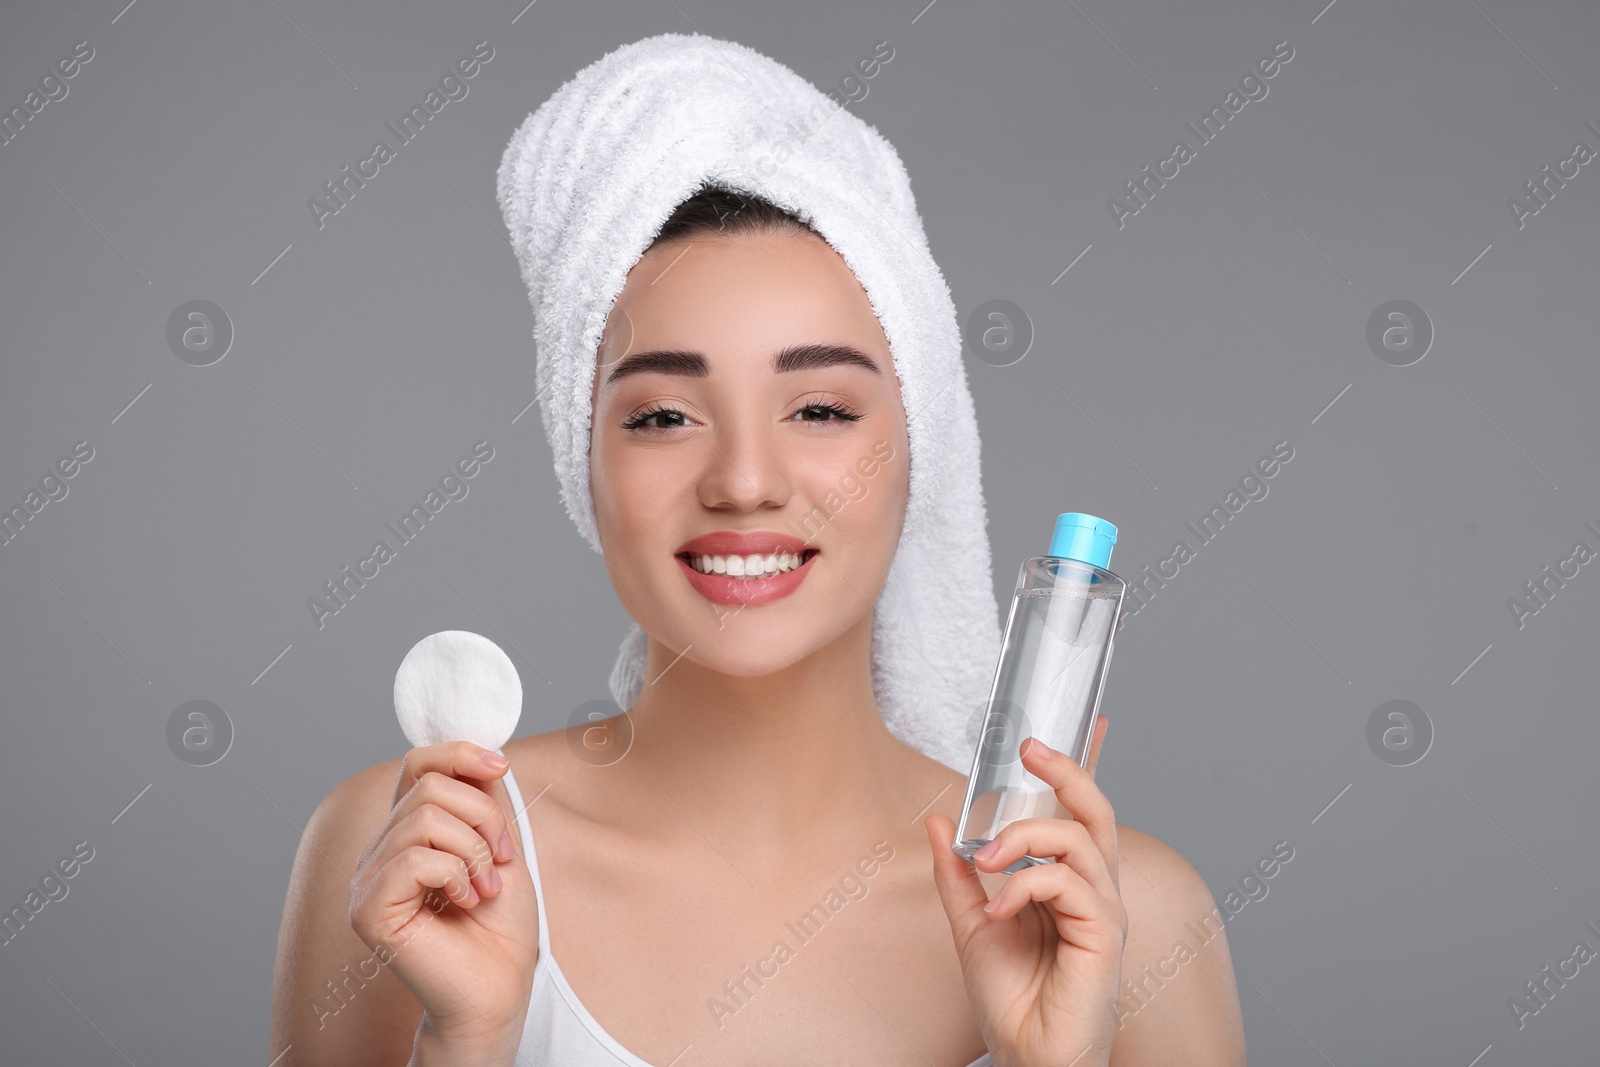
[(437, 828), (458, 759), (960, 890), (466, 801), (1077, 792), (1071, 900), (401, 887), (1067, 840)]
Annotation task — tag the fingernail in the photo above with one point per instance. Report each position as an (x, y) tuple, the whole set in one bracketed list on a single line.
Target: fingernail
[(987, 850), (494, 879), (495, 762), (989, 907), (505, 844), (1042, 750)]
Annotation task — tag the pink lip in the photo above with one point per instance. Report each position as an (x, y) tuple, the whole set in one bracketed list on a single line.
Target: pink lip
[(745, 592), (743, 543)]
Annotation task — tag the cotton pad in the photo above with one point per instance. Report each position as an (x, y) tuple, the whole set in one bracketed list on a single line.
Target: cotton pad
[(456, 685)]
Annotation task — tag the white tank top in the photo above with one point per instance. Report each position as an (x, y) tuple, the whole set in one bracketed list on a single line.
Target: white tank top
[(559, 1031)]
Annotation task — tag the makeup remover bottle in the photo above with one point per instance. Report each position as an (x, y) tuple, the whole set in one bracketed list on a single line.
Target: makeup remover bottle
[(1047, 684)]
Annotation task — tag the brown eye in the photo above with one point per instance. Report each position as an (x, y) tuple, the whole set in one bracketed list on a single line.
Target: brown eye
[(839, 411), (646, 416)]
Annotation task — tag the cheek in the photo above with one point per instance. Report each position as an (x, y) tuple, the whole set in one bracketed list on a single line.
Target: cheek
[(614, 486), (627, 490), (627, 508), (865, 493), (892, 499)]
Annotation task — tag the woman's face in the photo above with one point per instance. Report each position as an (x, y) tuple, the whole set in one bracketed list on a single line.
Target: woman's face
[(729, 421)]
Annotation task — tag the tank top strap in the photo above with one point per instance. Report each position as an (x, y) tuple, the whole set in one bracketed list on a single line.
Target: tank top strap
[(525, 828)]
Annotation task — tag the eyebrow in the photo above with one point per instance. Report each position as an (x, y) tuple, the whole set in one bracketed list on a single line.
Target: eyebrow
[(791, 358)]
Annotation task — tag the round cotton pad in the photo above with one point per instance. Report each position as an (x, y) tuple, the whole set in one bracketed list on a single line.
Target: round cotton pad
[(456, 685)]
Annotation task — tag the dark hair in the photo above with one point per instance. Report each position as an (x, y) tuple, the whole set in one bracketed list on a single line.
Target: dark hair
[(718, 210)]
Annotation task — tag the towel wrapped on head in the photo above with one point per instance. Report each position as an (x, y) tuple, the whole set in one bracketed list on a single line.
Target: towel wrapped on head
[(584, 186)]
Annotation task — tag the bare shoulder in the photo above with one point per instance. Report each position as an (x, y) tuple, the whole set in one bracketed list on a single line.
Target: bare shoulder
[(537, 760), (1157, 874), (1166, 898), (346, 819), (330, 1002), (369, 789), (1179, 1000), (537, 752)]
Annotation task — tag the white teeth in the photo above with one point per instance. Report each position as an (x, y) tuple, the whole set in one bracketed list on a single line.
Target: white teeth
[(755, 566)]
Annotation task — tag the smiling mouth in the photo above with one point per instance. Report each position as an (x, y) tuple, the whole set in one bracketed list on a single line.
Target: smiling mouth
[(754, 567)]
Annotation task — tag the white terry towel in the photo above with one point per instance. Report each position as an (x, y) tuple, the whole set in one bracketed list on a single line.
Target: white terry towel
[(584, 186)]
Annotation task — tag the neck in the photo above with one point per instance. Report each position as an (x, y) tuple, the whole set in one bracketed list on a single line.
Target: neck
[(758, 764)]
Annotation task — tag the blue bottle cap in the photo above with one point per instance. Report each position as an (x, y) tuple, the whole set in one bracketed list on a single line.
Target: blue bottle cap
[(1085, 538)]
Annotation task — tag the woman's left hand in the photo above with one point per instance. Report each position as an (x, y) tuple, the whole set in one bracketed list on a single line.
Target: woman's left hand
[(1043, 964)]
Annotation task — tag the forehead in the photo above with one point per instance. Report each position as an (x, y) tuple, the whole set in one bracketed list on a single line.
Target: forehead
[(740, 301)]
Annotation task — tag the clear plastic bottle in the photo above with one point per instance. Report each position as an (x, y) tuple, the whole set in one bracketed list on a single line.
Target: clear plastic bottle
[(1048, 681)]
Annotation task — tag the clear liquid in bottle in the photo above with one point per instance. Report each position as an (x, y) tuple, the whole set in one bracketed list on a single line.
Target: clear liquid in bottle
[(1048, 681)]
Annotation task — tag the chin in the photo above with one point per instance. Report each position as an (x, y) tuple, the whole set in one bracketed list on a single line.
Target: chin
[(736, 666), (740, 643)]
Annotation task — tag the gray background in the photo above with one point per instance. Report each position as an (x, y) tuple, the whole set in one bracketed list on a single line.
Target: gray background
[(1228, 315)]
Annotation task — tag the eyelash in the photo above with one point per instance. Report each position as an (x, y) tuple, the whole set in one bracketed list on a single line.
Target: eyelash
[(843, 412)]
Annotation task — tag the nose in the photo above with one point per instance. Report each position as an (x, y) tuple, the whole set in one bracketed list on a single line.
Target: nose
[(745, 467)]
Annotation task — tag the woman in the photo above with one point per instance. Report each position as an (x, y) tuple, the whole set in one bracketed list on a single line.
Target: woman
[(753, 865)]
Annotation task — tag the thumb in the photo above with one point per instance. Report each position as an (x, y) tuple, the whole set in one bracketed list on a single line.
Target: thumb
[(960, 890)]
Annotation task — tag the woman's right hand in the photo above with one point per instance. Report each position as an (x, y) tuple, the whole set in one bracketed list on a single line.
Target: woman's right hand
[(445, 887)]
